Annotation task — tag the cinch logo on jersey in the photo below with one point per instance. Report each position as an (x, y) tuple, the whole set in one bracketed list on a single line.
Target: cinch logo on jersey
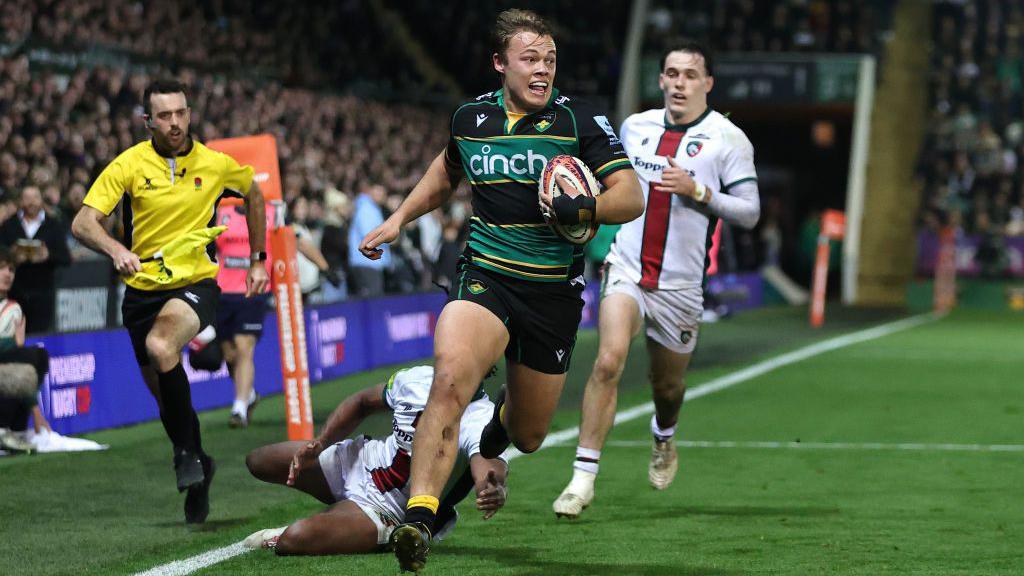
[(485, 163)]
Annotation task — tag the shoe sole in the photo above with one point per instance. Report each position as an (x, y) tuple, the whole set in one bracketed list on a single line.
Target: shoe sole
[(571, 516), (408, 542)]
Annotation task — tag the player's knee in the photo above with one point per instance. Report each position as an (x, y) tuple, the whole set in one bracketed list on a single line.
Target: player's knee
[(259, 465), (608, 366), (529, 442), (668, 388), (162, 352), (253, 463), (445, 389)]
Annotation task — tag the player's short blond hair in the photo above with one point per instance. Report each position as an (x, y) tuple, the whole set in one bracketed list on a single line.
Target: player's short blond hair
[(513, 21)]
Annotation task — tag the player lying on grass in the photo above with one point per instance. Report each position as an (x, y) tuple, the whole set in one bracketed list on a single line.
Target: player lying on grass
[(365, 480)]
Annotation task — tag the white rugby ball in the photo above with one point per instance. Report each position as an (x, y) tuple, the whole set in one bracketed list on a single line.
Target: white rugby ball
[(576, 172)]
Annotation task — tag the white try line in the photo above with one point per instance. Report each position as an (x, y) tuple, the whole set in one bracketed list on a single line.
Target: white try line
[(200, 561), (769, 445)]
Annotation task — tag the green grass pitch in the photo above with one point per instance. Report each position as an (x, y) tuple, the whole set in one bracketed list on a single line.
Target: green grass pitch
[(812, 484)]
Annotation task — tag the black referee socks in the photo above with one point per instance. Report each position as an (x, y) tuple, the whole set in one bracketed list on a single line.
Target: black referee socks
[(177, 415)]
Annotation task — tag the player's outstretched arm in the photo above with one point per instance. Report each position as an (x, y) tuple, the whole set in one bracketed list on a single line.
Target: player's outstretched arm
[(351, 413), (489, 478), (434, 189), (88, 229), (342, 422), (622, 200)]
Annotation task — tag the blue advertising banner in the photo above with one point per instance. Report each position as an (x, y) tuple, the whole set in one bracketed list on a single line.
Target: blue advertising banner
[(94, 382)]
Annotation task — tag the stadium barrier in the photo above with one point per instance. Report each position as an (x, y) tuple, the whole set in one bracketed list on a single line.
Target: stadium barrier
[(94, 382), (929, 247)]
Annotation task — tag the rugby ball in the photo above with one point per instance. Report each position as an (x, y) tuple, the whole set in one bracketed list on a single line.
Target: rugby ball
[(576, 172)]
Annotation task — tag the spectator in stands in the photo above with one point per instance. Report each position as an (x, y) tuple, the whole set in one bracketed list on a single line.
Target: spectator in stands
[(15, 361), (367, 276), (39, 246), (334, 243)]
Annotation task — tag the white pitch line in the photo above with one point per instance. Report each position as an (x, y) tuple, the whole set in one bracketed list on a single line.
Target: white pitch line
[(769, 445), (198, 562)]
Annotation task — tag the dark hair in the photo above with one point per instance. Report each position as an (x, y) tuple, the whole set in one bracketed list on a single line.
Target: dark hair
[(6, 259), (511, 22), (693, 47), (161, 86)]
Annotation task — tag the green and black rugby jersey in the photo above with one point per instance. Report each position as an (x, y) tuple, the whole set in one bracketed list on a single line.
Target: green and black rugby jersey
[(503, 158)]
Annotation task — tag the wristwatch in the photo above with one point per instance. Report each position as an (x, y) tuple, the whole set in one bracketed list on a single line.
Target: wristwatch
[(260, 256)]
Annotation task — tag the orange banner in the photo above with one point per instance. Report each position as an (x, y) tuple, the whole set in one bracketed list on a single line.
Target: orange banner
[(260, 152), (291, 334), (945, 271), (833, 226)]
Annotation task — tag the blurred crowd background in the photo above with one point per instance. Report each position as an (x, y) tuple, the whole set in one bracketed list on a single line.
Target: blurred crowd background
[(358, 95)]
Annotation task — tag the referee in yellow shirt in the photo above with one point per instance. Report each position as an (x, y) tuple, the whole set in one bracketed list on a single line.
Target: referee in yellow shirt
[(172, 185)]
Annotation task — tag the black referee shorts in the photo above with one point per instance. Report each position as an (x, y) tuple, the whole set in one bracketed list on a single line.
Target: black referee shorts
[(141, 307)]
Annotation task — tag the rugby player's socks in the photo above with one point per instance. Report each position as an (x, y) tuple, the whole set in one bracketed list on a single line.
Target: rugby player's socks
[(587, 459), (421, 509), (178, 417), (494, 439), (661, 434), (239, 407), (458, 492)]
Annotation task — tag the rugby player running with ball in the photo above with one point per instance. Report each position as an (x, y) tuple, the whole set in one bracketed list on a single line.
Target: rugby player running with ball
[(518, 287)]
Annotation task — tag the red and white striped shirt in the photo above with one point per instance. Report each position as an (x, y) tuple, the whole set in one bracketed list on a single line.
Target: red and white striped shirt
[(667, 247)]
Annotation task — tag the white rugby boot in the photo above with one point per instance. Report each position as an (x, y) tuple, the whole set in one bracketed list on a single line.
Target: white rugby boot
[(664, 464), (266, 538), (576, 496)]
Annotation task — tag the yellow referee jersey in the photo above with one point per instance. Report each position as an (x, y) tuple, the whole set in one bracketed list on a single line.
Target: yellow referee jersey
[(169, 197)]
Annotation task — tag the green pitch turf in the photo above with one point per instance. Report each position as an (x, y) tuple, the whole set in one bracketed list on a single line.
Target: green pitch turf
[(812, 484)]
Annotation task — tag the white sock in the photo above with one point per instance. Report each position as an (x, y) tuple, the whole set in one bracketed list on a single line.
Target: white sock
[(582, 481), (587, 460), (239, 407), (661, 434), (252, 396)]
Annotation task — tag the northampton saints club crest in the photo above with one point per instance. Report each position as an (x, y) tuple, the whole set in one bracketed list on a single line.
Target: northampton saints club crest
[(544, 121), (693, 148)]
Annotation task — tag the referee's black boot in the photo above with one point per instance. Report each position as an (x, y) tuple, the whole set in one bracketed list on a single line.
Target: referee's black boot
[(197, 501), (188, 468)]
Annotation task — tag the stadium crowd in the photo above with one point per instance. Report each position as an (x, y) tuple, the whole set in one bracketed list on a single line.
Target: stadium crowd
[(59, 127), (784, 26), (59, 134), (975, 141)]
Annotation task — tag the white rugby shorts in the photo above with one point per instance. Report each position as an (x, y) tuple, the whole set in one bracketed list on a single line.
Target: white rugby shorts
[(348, 478), (672, 317)]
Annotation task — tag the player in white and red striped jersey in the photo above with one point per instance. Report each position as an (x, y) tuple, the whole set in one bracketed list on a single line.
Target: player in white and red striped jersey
[(695, 167), (366, 480)]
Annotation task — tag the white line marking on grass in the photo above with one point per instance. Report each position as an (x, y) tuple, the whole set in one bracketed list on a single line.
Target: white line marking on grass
[(759, 369), (195, 563), (912, 446)]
